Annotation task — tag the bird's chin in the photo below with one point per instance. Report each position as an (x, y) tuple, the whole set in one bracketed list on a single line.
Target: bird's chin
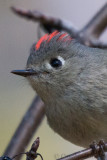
[(33, 79), (38, 86)]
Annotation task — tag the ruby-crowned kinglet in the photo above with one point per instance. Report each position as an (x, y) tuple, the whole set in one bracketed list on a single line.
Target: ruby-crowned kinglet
[(71, 79)]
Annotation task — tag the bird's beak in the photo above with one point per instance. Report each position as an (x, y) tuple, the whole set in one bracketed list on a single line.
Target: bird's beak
[(24, 73)]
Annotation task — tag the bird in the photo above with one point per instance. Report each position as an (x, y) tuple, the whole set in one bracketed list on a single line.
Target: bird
[(71, 79)]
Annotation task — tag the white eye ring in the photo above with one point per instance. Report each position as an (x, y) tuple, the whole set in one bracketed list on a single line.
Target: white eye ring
[(48, 66), (61, 62), (61, 59)]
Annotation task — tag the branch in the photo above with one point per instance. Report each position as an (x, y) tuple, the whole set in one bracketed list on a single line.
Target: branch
[(30, 155), (86, 36), (49, 23), (97, 24), (26, 129), (86, 153)]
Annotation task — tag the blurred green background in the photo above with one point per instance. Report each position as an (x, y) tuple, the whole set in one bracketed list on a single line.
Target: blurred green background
[(16, 37)]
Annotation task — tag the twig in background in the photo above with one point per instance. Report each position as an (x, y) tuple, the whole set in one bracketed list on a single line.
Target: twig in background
[(86, 36), (49, 23), (95, 27), (97, 24), (26, 129)]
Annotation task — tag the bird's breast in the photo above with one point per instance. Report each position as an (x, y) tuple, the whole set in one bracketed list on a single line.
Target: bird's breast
[(73, 124)]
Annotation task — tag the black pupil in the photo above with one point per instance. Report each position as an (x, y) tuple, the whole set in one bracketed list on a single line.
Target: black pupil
[(56, 63)]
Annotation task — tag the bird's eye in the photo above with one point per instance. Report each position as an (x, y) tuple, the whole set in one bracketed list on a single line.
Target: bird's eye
[(55, 63)]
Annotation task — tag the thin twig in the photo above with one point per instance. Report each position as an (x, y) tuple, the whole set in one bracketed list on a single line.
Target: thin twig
[(86, 36), (97, 24), (32, 153), (92, 31), (86, 153), (26, 129), (49, 23)]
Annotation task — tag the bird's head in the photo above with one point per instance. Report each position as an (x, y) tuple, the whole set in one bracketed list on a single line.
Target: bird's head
[(49, 63)]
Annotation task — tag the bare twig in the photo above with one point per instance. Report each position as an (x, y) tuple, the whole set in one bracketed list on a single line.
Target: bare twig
[(26, 129), (96, 25), (86, 153), (32, 154), (86, 36), (49, 23), (91, 32)]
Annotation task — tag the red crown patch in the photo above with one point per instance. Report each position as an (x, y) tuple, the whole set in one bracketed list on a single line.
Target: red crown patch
[(48, 37)]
